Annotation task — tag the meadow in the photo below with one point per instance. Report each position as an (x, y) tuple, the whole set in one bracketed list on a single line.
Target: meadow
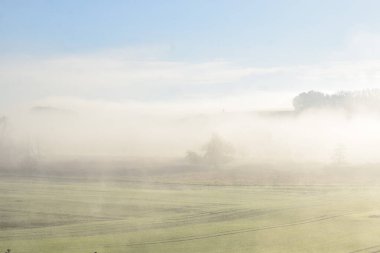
[(76, 215)]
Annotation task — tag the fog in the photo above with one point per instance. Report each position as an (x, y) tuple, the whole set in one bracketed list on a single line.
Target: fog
[(62, 129), (189, 126)]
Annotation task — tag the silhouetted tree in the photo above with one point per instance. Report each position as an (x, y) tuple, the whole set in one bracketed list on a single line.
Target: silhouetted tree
[(193, 158), (309, 99), (217, 151), (31, 159), (366, 99)]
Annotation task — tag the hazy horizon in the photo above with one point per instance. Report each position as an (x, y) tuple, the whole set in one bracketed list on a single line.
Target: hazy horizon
[(191, 126)]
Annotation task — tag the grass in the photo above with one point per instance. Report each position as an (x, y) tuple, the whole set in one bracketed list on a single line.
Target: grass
[(65, 215)]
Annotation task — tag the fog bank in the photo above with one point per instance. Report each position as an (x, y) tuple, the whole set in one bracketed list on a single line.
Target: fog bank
[(61, 129)]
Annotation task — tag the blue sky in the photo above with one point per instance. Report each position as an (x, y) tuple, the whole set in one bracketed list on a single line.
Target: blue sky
[(289, 31), (151, 50)]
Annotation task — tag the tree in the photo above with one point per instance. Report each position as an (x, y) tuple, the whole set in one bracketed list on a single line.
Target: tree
[(309, 99), (31, 157), (193, 158), (347, 100), (217, 151)]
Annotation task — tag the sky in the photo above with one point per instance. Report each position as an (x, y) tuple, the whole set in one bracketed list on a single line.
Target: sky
[(196, 55)]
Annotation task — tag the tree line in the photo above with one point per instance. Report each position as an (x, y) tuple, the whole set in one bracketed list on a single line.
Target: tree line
[(348, 100)]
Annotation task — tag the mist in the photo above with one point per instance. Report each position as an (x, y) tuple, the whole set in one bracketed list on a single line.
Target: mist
[(189, 126), (67, 128)]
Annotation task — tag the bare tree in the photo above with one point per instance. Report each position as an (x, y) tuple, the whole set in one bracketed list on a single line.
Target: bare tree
[(31, 158)]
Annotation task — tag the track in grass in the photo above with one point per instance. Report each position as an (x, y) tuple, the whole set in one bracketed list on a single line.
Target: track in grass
[(233, 232), (372, 249)]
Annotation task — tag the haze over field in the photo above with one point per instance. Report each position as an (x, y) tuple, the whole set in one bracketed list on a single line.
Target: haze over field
[(189, 126), (152, 92), (314, 131)]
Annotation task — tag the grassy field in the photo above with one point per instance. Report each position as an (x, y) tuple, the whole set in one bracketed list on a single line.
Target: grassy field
[(65, 215)]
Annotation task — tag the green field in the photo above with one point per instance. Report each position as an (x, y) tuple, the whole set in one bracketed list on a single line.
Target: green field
[(66, 215)]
